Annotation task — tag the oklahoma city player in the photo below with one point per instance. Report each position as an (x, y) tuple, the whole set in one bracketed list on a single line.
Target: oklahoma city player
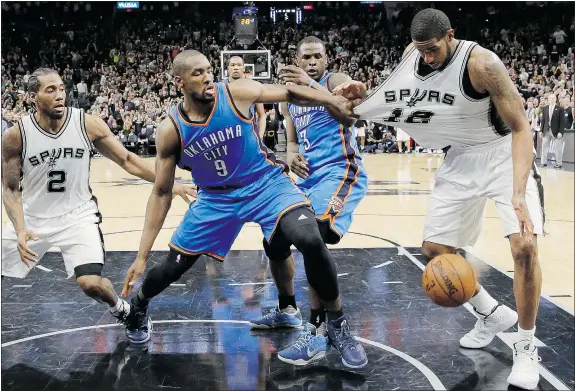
[(448, 92), (324, 154), (47, 195)]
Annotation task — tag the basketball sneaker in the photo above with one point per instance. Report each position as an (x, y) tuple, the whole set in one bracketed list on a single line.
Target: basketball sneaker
[(312, 345), (138, 325), (352, 353), (487, 326), (525, 371), (288, 317)]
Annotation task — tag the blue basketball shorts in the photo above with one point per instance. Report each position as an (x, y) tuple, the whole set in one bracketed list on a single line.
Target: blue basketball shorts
[(214, 220), (335, 191)]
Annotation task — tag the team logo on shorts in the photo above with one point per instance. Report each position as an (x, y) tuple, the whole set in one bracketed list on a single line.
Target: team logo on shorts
[(335, 206), (178, 258)]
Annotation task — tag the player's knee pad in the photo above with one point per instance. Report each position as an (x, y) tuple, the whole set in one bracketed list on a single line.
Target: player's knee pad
[(88, 269), (175, 265), (319, 266), (279, 248)]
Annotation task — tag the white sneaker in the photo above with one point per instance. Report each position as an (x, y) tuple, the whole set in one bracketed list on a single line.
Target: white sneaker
[(487, 326), (525, 371)]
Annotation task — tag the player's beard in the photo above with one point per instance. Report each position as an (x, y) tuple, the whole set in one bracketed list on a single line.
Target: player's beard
[(52, 114)]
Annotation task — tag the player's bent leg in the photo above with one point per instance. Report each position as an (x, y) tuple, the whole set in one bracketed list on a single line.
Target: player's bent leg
[(139, 324), (89, 279), (527, 289), (322, 276), (454, 220)]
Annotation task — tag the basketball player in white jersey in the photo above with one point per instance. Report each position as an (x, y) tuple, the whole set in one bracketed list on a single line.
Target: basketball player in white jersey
[(47, 196), (449, 92), (236, 72)]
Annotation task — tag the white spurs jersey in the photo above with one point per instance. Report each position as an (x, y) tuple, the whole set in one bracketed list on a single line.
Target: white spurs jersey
[(438, 109), (55, 167)]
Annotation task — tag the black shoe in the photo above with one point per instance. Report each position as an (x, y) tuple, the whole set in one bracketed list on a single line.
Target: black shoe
[(138, 325)]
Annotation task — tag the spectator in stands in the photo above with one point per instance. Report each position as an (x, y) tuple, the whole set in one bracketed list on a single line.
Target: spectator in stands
[(552, 130), (127, 59)]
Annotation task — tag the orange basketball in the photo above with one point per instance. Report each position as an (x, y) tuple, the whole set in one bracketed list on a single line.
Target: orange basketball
[(449, 280)]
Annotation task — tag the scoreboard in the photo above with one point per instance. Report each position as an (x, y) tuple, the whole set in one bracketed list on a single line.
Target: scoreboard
[(246, 23)]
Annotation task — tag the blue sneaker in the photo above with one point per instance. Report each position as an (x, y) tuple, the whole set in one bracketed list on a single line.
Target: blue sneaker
[(352, 353), (138, 325), (312, 345), (288, 317)]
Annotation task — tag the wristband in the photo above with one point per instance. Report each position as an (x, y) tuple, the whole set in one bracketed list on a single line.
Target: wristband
[(311, 83)]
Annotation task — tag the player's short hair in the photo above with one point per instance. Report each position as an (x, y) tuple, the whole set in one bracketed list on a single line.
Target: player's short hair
[(428, 24), (34, 81), (232, 57), (309, 39), (180, 64)]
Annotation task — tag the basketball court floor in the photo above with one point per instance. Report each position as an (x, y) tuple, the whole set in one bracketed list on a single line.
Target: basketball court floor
[(55, 338)]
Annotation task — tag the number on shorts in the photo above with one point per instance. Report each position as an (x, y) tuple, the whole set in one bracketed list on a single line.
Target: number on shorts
[(303, 135), (415, 117), (56, 182), (221, 168)]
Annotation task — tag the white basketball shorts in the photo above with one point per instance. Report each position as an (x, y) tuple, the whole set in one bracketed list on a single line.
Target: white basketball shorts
[(361, 132), (468, 177), (77, 234)]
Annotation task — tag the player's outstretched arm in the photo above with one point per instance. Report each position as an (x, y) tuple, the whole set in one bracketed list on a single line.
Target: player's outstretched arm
[(293, 74), (488, 73), (247, 92), (167, 146), (12, 194), (110, 147)]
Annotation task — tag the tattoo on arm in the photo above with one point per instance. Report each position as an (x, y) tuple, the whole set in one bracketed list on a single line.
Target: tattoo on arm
[(491, 75)]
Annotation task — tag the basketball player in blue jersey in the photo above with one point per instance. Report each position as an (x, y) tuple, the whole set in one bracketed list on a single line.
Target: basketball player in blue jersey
[(236, 72), (212, 135), (324, 154)]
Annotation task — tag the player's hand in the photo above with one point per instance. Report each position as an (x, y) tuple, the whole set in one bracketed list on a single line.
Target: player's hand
[(525, 223), (344, 106), (298, 164), (26, 253), (296, 75), (184, 191), (351, 90), (134, 272)]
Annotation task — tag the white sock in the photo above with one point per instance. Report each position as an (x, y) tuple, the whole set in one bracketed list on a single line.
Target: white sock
[(121, 306), (526, 335), (483, 302)]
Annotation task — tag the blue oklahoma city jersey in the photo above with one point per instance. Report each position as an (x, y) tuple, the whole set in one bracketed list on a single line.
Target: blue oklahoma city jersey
[(225, 149), (319, 135), (337, 181)]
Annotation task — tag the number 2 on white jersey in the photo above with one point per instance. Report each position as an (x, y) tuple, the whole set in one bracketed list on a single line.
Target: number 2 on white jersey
[(221, 168)]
